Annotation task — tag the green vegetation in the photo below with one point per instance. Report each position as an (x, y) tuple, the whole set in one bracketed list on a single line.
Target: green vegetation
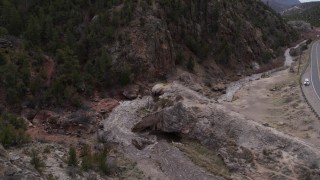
[(190, 64), (179, 58), (74, 33), (36, 161), (79, 39), (72, 157), (204, 157), (47, 150), (12, 130), (220, 33), (15, 75), (89, 161), (310, 13), (51, 177)]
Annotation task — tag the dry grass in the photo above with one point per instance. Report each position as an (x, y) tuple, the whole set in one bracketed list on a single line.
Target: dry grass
[(275, 112), (129, 169), (205, 158)]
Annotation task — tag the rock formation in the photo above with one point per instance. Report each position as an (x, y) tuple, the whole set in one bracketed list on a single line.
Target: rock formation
[(244, 145)]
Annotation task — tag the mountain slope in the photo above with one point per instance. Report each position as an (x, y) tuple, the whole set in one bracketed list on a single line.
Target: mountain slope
[(309, 12), (96, 45), (280, 5)]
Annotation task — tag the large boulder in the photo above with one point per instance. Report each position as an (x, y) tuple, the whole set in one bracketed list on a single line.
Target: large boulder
[(240, 141), (131, 92), (244, 145)]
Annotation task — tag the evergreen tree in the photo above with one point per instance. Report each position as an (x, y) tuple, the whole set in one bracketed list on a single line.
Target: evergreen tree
[(36, 161), (72, 157), (69, 67), (86, 163), (3, 60), (47, 29), (33, 33), (10, 17)]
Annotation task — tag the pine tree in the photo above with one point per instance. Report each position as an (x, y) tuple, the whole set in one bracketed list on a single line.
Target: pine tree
[(33, 33), (36, 161), (3, 60), (72, 158), (10, 17)]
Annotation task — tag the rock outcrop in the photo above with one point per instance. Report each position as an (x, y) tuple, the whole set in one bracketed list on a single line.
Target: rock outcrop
[(246, 147), (219, 37), (301, 25), (4, 43), (12, 167)]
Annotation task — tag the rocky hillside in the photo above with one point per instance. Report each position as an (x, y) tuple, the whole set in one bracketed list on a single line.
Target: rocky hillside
[(280, 5), (308, 12), (56, 52), (224, 143)]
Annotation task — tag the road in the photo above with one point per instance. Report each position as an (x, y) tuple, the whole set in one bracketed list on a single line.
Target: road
[(315, 68), (312, 92)]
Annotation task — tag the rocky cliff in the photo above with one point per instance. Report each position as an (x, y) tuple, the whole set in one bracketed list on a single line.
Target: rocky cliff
[(219, 38), (123, 42)]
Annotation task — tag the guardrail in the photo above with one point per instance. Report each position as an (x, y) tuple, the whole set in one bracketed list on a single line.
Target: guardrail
[(301, 85)]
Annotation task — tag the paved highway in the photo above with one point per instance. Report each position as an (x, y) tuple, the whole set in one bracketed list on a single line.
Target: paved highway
[(315, 67)]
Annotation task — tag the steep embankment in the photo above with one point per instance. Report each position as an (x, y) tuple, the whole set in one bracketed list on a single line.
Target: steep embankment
[(243, 148), (102, 44), (308, 12)]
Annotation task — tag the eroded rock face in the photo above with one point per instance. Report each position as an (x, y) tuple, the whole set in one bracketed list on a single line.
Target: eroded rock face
[(243, 144), (12, 167)]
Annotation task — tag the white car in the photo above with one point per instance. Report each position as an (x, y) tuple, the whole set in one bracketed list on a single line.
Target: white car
[(306, 82)]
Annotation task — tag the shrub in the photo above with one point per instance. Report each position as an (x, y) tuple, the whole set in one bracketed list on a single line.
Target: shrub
[(179, 58), (47, 150), (51, 177), (309, 41), (36, 161), (266, 56), (94, 161), (72, 157), (304, 47), (200, 49), (12, 130), (224, 53), (190, 64), (3, 60), (3, 31), (124, 74), (86, 163), (100, 159)]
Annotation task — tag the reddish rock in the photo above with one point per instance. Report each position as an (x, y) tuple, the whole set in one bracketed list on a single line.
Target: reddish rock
[(105, 105)]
